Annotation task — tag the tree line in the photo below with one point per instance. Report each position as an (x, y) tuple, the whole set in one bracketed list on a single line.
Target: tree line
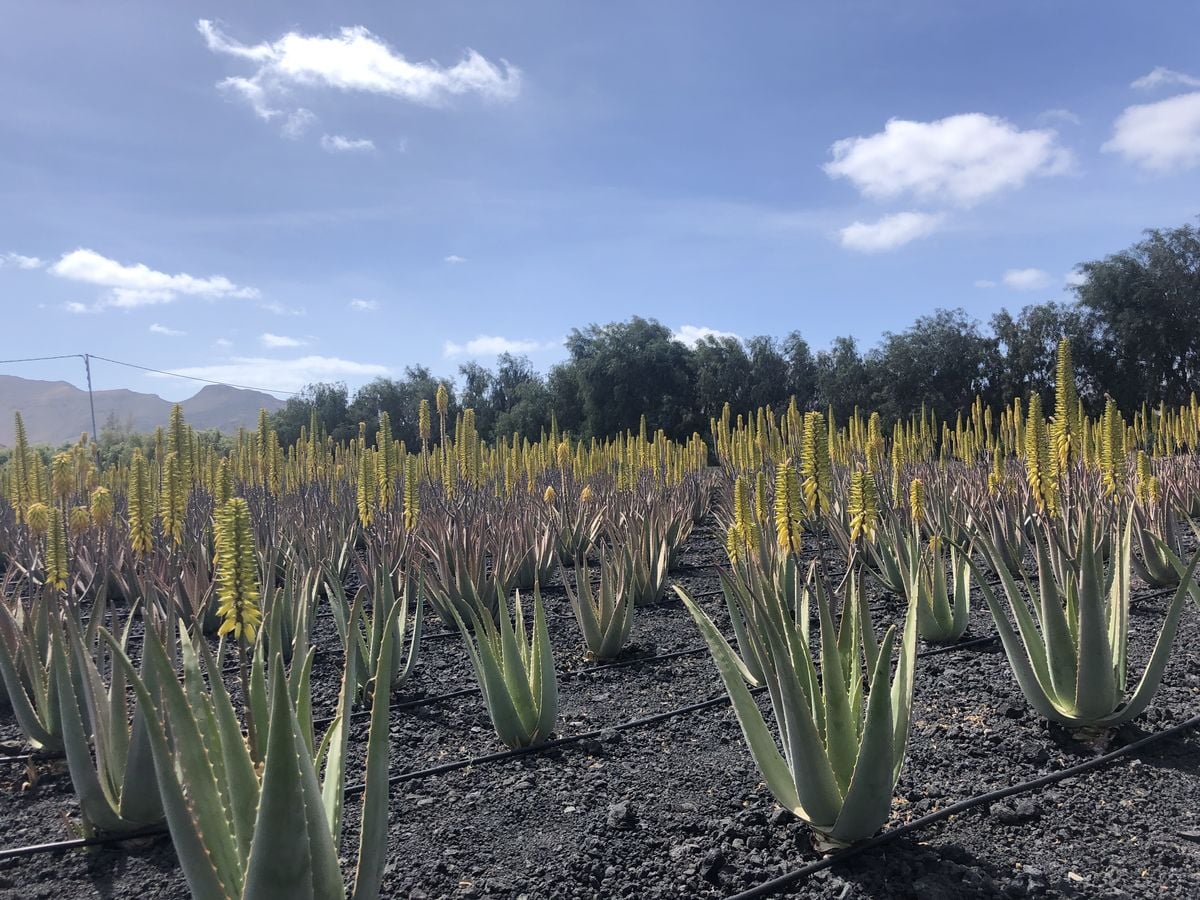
[(1134, 328)]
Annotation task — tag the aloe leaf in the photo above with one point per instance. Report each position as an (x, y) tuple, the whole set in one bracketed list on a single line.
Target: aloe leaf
[(868, 801), (203, 842), (373, 830), (292, 853)]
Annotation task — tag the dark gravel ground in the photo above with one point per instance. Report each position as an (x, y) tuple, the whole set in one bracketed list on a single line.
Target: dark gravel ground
[(677, 809)]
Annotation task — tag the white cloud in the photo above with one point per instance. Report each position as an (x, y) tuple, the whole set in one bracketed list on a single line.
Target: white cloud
[(336, 143), (1064, 116), (282, 374), (298, 122), (694, 334), (961, 159), (17, 261), (1027, 279), (985, 283), (1161, 76), (492, 345), (889, 232), (454, 259), (1162, 136), (223, 344), (165, 331), (352, 60), (364, 305), (138, 284), (77, 308), (276, 341), (277, 308), (1075, 279)]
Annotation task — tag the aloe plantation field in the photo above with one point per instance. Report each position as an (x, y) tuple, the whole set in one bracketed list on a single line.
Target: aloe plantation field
[(793, 655)]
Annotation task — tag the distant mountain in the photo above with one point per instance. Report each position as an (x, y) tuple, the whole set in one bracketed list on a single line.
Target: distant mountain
[(56, 412)]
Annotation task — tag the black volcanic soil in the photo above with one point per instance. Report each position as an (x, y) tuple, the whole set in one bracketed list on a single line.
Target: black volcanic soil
[(676, 809)]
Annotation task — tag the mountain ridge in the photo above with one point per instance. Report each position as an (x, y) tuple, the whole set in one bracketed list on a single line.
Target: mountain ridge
[(56, 412)]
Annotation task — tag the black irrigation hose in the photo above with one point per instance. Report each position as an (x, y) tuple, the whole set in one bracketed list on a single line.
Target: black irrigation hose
[(712, 702), (97, 841), (789, 879)]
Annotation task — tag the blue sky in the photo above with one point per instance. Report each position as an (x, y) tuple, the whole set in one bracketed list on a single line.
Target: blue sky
[(276, 193)]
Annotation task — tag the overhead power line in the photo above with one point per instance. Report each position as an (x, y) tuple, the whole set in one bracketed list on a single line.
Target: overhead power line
[(244, 387), (87, 367)]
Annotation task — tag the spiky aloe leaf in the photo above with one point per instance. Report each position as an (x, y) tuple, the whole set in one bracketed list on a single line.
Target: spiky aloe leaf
[(373, 830), (292, 853)]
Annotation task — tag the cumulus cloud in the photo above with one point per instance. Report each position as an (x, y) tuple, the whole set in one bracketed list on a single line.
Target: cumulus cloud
[(694, 334), (351, 60), (889, 232), (336, 143), (18, 261), (492, 345), (76, 308), (277, 341), (297, 122), (1027, 279), (454, 259), (165, 331), (131, 286), (364, 305), (1161, 76), (282, 374), (1159, 137), (961, 159), (1075, 279)]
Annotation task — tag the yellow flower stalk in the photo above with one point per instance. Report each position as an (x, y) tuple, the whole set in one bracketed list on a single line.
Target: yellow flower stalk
[(1112, 448), (37, 517), (916, 500), (56, 551), (1041, 469), (365, 496), (788, 509), (814, 464), (141, 510), (101, 507), (62, 476), (79, 520), (412, 492), (549, 495), (862, 505), (172, 498), (585, 496), (1064, 432), (237, 572)]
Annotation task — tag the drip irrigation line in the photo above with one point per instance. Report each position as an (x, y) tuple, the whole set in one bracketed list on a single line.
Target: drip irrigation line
[(789, 879), (96, 841)]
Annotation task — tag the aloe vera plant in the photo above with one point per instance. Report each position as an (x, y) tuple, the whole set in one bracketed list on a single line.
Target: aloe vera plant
[(516, 675), (269, 834), (942, 611), (361, 629), (1069, 655), (113, 791), (604, 613), (843, 746), (28, 669)]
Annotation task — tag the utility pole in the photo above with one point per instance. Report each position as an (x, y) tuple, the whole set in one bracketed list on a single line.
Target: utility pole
[(87, 367)]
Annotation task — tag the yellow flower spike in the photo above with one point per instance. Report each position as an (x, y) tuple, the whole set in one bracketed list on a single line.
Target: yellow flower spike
[(788, 529), (37, 517), (101, 506), (141, 510), (916, 499), (80, 519), (237, 572), (585, 496), (550, 495), (412, 492), (56, 551)]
